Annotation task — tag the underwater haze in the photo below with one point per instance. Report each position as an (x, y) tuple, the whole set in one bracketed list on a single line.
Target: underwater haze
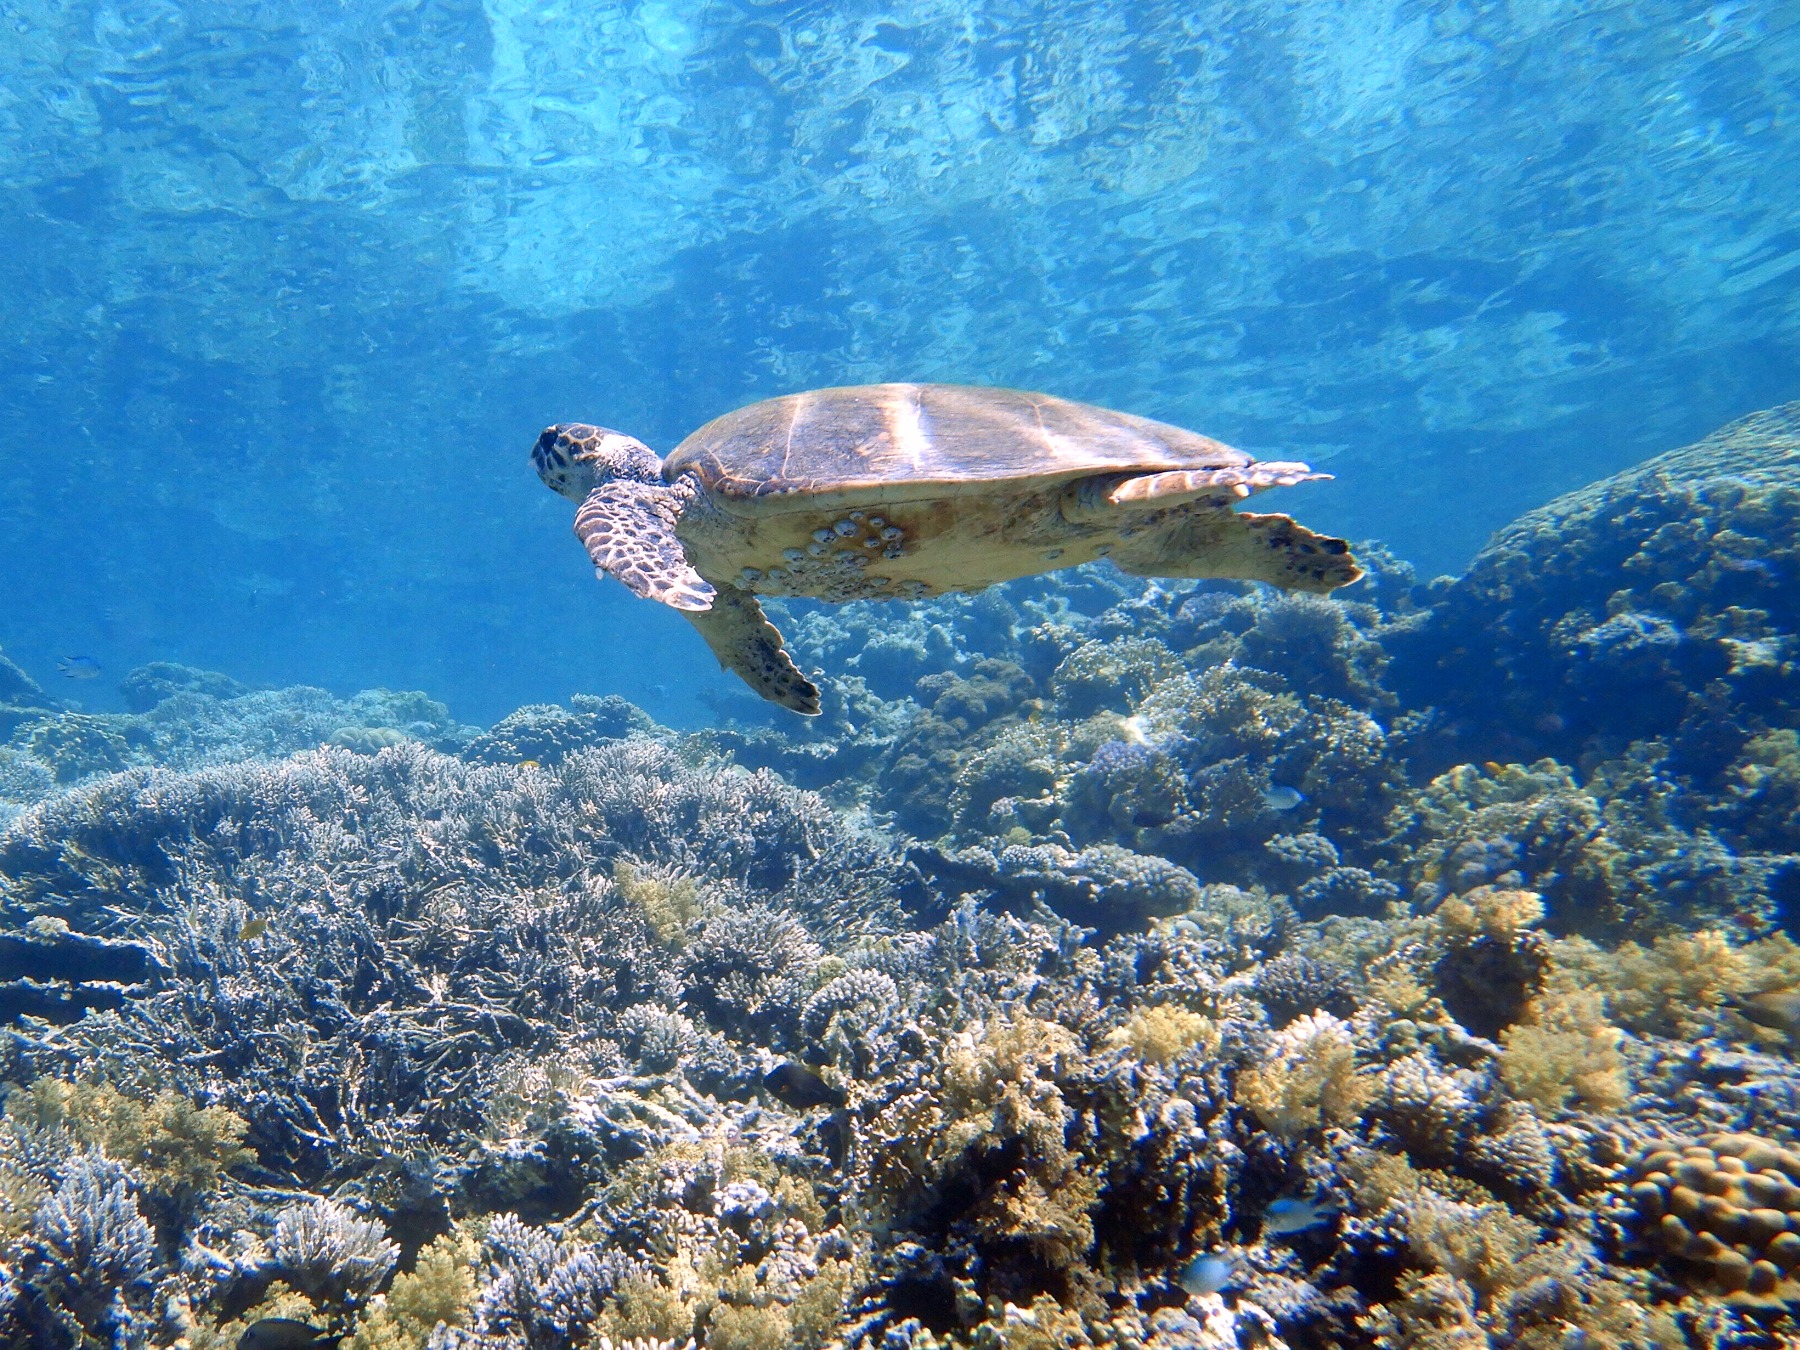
[(287, 289), (1365, 920)]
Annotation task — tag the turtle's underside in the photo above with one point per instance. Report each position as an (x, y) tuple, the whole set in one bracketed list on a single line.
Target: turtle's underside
[(907, 491)]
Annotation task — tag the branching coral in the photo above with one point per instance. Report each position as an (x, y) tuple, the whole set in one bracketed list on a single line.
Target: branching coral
[(322, 1249), (87, 1269)]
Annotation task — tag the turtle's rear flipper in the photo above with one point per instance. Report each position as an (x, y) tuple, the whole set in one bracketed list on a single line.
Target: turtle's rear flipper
[(628, 529), (1101, 498), (1171, 488), (748, 643), (1240, 546)]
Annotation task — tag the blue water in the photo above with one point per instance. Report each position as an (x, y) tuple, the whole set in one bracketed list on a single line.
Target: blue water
[(287, 289)]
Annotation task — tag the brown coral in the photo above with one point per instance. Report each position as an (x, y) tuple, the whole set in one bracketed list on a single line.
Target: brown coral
[(1725, 1212)]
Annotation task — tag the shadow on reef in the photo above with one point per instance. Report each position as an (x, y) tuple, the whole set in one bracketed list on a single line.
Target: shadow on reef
[(1114, 963)]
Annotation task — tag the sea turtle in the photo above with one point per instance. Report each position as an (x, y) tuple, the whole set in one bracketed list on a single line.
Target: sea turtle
[(910, 490)]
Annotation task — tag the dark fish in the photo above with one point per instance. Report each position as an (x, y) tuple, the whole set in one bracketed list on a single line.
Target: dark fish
[(283, 1333), (797, 1086), (834, 1137), (1776, 1009), (79, 667)]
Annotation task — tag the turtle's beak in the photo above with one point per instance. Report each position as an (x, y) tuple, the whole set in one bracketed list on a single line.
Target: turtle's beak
[(558, 460)]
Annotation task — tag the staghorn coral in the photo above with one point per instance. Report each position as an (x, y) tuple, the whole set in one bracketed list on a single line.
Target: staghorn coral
[(323, 1250), (89, 1259), (541, 1292), (747, 965), (400, 965)]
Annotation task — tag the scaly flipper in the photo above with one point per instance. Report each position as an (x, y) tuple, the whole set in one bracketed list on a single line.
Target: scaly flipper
[(746, 642), (1175, 486), (628, 529), (1223, 543), (1106, 498)]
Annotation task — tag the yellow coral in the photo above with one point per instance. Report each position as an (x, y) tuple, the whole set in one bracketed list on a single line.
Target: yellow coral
[(669, 903), (179, 1148), (20, 1195), (1563, 1046), (1489, 911), (277, 1301), (1045, 1325), (1158, 1035), (1674, 987), (644, 1309), (1309, 1079), (439, 1289)]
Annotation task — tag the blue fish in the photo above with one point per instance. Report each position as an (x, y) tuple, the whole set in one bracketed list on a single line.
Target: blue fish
[(1282, 798), (1290, 1215), (1207, 1274), (79, 667)]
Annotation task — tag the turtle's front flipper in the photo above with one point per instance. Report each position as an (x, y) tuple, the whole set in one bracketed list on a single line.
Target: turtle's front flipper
[(748, 643), (1220, 542), (628, 529)]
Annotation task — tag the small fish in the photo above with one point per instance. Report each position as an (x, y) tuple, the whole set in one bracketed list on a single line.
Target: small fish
[(253, 928), (1282, 798), (283, 1333), (1777, 1009), (797, 1086), (1493, 766), (79, 667), (1290, 1215), (1206, 1274), (530, 764)]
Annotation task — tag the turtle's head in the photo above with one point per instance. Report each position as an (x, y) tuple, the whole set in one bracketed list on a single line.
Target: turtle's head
[(573, 459)]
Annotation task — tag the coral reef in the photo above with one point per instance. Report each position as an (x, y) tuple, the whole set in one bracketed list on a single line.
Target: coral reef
[(545, 733), (1627, 609), (1158, 965), (182, 717)]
